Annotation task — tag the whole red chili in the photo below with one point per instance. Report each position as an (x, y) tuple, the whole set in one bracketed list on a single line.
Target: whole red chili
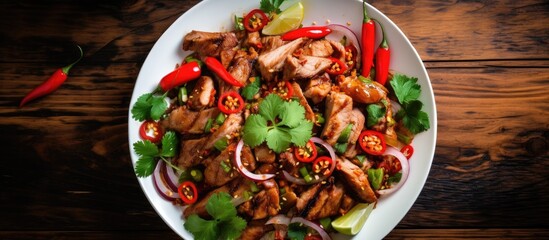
[(50, 85), (314, 32), (230, 102), (215, 66), (368, 41), (383, 58), (183, 74), (251, 22), (337, 67)]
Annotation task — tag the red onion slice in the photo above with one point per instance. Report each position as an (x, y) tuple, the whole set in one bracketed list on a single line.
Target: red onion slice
[(169, 175), (405, 170), (243, 170), (164, 191), (279, 219), (338, 31), (312, 225), (301, 181)]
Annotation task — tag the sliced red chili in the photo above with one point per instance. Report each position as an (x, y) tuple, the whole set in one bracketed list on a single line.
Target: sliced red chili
[(183, 74), (337, 67), (230, 102), (255, 20), (215, 66), (322, 165), (372, 142), (407, 150), (188, 192), (314, 32), (350, 56), (306, 153), (151, 130)]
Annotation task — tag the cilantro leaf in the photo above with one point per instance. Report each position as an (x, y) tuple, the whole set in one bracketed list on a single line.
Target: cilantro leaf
[(142, 107), (158, 107), (271, 107), (145, 148), (219, 206), (406, 88), (302, 133), (413, 118), (270, 6), (278, 139), (169, 144), (232, 229), (296, 231), (200, 228), (250, 90), (293, 114), (147, 151), (375, 112), (255, 130)]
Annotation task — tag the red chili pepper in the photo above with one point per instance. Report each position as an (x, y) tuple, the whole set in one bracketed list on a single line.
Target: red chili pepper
[(50, 85), (368, 41), (230, 102), (151, 130), (250, 21), (337, 67), (350, 56), (322, 165), (407, 150), (372, 142), (309, 149), (188, 192), (383, 58), (314, 32), (215, 66), (183, 74)]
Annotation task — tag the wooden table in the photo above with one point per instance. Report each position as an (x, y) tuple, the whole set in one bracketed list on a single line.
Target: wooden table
[(66, 171)]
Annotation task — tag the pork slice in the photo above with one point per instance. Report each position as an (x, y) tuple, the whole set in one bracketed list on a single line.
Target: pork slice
[(347, 202), (309, 114), (232, 124), (362, 91), (357, 119), (254, 230), (339, 50), (199, 207), (191, 152), (356, 179), (318, 48), (241, 70), (270, 63), (209, 43), (304, 67), (227, 56), (337, 114), (306, 197), (216, 175), (327, 202), (289, 163), (264, 154), (253, 39), (185, 121), (203, 94), (270, 43), (318, 88), (267, 202)]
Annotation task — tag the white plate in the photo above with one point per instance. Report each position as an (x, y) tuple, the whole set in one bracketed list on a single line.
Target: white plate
[(211, 15)]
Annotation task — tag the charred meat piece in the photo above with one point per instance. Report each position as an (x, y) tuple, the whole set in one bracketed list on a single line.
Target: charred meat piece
[(309, 114), (200, 206), (253, 39), (318, 48), (226, 57), (254, 230), (264, 154), (263, 204), (339, 50), (271, 42), (191, 153), (356, 179), (357, 119), (186, 121), (209, 43), (321, 200), (271, 63), (318, 88), (289, 163), (219, 169), (203, 94), (362, 92), (337, 114), (304, 66), (232, 124), (347, 202)]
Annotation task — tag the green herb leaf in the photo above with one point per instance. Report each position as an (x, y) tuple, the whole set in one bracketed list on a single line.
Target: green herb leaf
[(255, 130), (340, 148), (147, 151), (250, 90), (232, 228), (413, 118), (270, 6), (200, 228), (406, 88), (142, 107), (158, 108), (296, 231), (170, 144), (395, 178), (219, 206), (302, 133), (278, 139), (375, 176), (271, 107), (292, 114), (375, 113)]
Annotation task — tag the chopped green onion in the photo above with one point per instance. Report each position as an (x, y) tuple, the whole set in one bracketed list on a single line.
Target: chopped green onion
[(220, 119), (208, 126), (182, 96), (221, 144), (395, 178), (305, 173), (364, 79), (253, 187), (185, 175), (319, 118), (326, 223), (361, 158), (197, 175), (282, 191), (226, 168), (344, 137), (238, 25)]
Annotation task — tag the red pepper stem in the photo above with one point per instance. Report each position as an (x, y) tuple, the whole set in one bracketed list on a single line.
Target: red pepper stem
[(68, 67), (384, 44), (365, 12)]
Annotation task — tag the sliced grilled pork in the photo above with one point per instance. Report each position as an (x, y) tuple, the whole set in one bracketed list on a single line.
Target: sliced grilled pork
[(263, 204), (203, 94), (347, 202), (356, 179), (219, 169), (264, 154), (304, 66), (339, 50), (242, 65), (270, 43), (209, 43), (337, 114), (271, 63), (226, 57), (253, 39), (186, 121), (357, 119), (318, 88), (318, 48), (309, 114), (254, 230), (232, 124), (200, 206), (326, 203), (362, 92)]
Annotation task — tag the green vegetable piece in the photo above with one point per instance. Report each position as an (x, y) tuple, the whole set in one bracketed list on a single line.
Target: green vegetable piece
[(375, 114), (405, 88), (395, 178), (208, 126), (238, 25), (361, 158), (375, 176), (147, 151), (220, 119), (170, 144), (221, 144), (253, 187), (305, 173), (182, 96), (344, 137), (326, 223), (149, 106), (320, 118), (297, 231), (340, 148), (226, 168), (197, 175), (271, 6), (191, 58), (255, 130), (413, 118), (185, 175), (250, 90)]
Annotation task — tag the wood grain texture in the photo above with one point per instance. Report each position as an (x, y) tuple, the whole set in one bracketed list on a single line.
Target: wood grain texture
[(67, 171)]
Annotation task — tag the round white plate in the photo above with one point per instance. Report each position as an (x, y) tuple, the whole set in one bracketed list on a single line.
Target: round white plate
[(211, 15)]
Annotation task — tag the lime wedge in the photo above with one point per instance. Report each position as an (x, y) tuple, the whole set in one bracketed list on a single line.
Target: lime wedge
[(287, 20), (352, 222)]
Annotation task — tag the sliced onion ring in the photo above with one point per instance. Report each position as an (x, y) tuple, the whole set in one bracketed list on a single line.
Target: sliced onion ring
[(405, 170), (161, 187), (312, 225), (301, 181), (243, 170), (338, 31), (170, 176), (279, 219)]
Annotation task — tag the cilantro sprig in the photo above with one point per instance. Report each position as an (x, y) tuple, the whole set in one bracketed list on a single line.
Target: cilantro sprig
[(225, 223), (270, 6), (279, 123), (149, 106), (148, 152), (407, 92)]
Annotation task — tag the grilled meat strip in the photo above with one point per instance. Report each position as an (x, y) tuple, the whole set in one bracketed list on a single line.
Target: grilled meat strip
[(338, 115), (320, 201), (272, 62), (318, 88), (309, 114), (270, 43), (362, 92), (264, 204), (203, 94), (186, 121), (304, 67), (216, 175), (209, 43), (264, 154), (357, 119), (356, 179), (318, 48), (254, 230)]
